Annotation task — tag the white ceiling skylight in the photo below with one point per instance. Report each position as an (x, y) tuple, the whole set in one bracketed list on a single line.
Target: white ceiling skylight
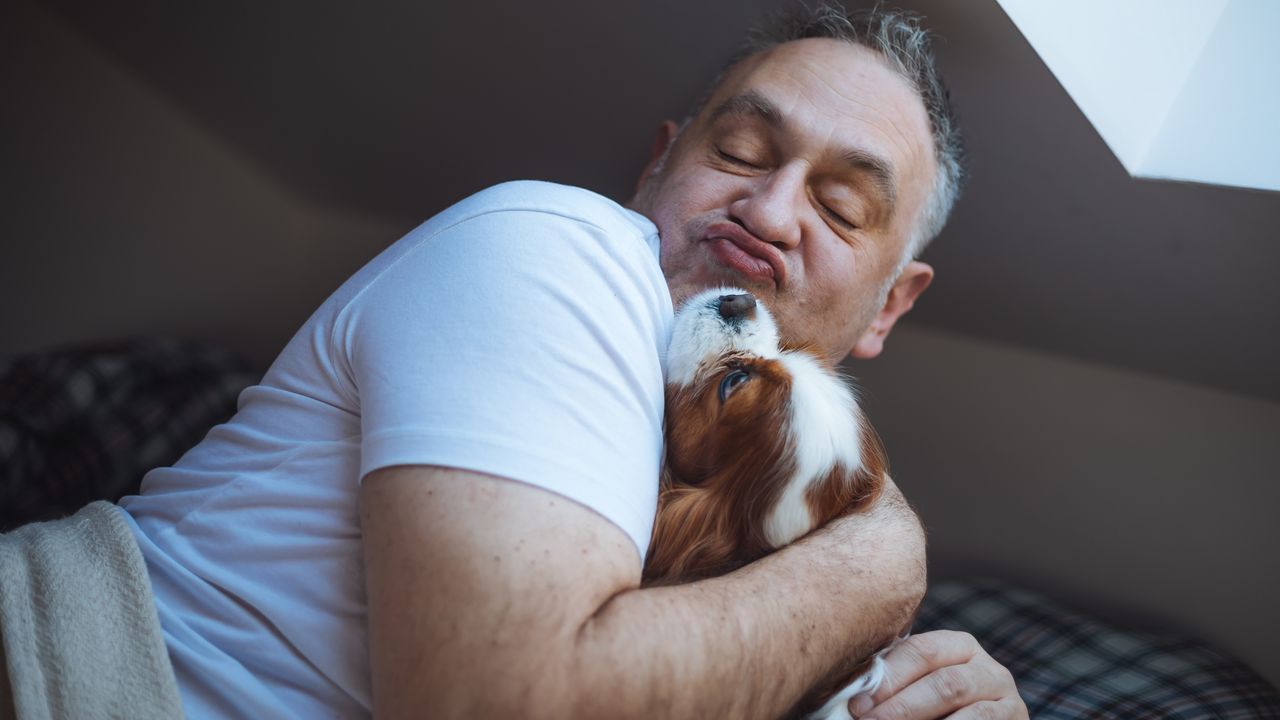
[(1178, 89)]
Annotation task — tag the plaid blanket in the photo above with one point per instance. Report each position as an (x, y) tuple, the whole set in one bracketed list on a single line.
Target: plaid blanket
[(85, 423), (1070, 666)]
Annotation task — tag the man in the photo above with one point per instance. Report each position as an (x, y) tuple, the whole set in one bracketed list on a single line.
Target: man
[(807, 177), (488, 391)]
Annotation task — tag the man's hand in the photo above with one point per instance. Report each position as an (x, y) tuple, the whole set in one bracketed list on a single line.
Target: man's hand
[(941, 674)]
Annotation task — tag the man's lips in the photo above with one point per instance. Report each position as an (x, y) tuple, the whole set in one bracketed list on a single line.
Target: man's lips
[(750, 256)]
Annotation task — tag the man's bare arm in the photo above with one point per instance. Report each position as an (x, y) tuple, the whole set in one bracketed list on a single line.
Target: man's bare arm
[(489, 597)]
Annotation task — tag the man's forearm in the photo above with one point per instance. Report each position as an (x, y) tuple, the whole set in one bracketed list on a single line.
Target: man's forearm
[(751, 643), (492, 598)]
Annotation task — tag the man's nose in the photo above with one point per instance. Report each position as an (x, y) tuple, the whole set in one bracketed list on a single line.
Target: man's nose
[(771, 211)]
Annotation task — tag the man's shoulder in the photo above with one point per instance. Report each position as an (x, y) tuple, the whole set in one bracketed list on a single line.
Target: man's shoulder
[(572, 203)]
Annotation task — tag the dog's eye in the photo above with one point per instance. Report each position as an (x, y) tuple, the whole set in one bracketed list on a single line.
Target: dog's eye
[(731, 383)]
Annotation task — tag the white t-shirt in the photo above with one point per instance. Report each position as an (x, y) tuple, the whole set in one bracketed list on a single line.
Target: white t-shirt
[(519, 333)]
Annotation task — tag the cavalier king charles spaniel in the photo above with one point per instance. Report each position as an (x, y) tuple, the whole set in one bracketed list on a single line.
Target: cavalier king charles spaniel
[(764, 443)]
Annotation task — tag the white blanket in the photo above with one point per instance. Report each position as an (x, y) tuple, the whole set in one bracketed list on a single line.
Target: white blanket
[(81, 638)]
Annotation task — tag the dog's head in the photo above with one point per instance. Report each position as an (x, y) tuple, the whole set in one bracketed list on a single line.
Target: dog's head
[(764, 442)]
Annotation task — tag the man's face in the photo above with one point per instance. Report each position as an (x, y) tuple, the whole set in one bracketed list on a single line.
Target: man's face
[(800, 180)]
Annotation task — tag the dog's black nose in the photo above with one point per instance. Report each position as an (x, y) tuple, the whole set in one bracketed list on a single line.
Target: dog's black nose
[(736, 306)]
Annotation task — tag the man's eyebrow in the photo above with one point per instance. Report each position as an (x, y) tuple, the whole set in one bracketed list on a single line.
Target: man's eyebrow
[(750, 102), (881, 172)]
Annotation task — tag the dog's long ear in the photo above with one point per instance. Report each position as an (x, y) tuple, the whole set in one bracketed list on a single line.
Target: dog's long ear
[(691, 537), (875, 467)]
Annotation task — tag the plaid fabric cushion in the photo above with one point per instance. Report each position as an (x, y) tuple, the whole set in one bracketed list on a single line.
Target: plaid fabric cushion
[(85, 423), (1071, 666)]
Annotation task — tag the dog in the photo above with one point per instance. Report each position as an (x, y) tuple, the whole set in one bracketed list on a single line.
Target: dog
[(764, 443)]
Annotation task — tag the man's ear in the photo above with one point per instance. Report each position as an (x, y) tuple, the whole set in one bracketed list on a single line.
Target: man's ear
[(666, 135), (915, 277)]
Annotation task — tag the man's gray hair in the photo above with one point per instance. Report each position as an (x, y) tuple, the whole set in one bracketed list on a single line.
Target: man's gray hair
[(899, 38)]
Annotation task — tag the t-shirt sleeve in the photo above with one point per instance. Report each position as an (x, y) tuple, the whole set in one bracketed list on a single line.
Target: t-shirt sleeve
[(523, 344)]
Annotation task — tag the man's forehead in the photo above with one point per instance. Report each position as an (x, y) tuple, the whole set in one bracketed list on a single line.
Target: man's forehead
[(836, 76)]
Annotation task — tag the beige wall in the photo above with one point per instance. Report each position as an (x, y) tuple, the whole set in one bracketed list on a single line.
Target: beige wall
[(1152, 501), (123, 216)]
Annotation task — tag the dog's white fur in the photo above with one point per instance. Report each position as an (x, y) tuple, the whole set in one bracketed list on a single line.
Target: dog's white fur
[(700, 336), (826, 433)]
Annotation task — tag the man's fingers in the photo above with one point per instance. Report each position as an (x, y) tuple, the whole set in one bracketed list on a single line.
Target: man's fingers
[(941, 674), (919, 655), (938, 694)]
